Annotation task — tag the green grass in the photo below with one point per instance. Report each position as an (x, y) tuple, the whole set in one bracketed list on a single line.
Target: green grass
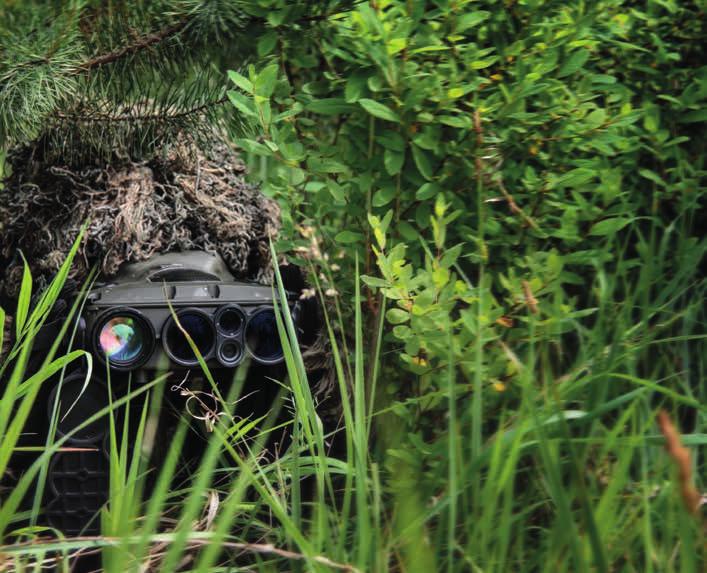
[(566, 474)]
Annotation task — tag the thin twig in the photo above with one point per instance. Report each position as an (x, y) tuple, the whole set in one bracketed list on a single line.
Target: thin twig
[(107, 118), (481, 167), (103, 541)]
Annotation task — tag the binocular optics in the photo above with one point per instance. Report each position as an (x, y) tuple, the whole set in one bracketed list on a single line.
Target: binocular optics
[(142, 319), (148, 320)]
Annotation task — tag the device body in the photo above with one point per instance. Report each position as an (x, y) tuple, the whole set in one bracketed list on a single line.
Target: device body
[(136, 327)]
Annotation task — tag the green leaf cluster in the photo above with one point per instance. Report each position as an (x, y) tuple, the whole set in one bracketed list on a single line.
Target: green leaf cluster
[(554, 139), (522, 185)]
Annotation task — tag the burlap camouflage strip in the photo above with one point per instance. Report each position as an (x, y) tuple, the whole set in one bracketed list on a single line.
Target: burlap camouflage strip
[(190, 199)]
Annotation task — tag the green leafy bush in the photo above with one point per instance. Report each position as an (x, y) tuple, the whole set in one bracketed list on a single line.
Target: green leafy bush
[(555, 142), (522, 185)]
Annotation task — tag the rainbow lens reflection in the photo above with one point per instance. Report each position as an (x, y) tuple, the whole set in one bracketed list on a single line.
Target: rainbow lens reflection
[(121, 339)]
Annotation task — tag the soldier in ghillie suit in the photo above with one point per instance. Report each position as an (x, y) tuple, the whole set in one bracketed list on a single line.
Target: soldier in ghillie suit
[(117, 115), (190, 199), (117, 118)]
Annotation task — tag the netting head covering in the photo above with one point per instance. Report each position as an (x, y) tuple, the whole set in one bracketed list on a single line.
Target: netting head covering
[(194, 200)]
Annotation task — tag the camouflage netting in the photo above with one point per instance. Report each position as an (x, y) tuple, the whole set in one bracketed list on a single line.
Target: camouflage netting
[(187, 200)]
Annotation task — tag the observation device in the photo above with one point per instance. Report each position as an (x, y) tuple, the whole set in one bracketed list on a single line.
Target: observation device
[(139, 321), (146, 321)]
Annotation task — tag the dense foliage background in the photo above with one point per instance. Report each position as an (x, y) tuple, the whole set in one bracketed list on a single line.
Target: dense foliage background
[(522, 185), (501, 205)]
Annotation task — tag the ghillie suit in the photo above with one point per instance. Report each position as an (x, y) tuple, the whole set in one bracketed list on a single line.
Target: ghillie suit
[(195, 200), (189, 199), (110, 110)]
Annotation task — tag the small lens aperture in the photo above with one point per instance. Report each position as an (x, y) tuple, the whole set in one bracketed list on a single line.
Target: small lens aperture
[(122, 339), (262, 337), (230, 352), (200, 330), (230, 321)]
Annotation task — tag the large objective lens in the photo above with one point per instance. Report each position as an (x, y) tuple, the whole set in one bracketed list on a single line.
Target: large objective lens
[(262, 337), (122, 339), (200, 330)]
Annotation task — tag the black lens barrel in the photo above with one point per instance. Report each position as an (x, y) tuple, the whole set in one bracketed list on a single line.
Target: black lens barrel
[(124, 338), (262, 337), (200, 328)]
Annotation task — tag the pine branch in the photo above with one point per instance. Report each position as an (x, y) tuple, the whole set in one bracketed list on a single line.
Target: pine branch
[(143, 42), (93, 83)]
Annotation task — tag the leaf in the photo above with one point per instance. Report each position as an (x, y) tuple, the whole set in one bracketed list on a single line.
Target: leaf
[(387, 218), (383, 196), (573, 63), (482, 64), (254, 147), (265, 82), (471, 19), (242, 103), (326, 165), (294, 110), (422, 162), (397, 316), (330, 106), (402, 332), (576, 177), (267, 43), (355, 86), (380, 237), (374, 281), (336, 191), (407, 231), (595, 118), (462, 122), (24, 298), (648, 174), (391, 140), (379, 110), (348, 237), (427, 191), (241, 81), (451, 255), (697, 116), (609, 226), (393, 161)]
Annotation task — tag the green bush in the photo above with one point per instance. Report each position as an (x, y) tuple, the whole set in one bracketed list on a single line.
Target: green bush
[(555, 138), (521, 183)]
